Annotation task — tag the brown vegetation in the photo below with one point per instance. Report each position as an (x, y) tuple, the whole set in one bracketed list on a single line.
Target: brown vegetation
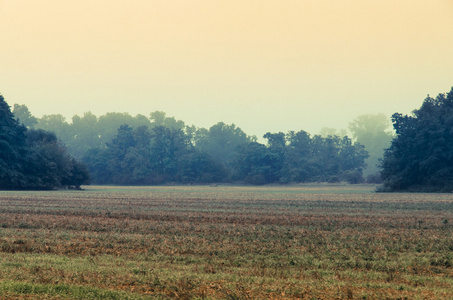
[(227, 242)]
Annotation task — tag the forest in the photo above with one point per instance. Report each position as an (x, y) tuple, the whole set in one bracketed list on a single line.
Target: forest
[(117, 148)]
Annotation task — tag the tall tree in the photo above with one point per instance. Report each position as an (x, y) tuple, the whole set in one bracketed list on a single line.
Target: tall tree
[(373, 132), (24, 116), (252, 164), (276, 144), (34, 159), (159, 118), (197, 167), (327, 131), (49, 163), (12, 148), (221, 141), (420, 157), (85, 134), (166, 146), (57, 124), (108, 124), (298, 167)]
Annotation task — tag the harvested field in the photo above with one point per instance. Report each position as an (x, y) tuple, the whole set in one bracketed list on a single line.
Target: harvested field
[(206, 242)]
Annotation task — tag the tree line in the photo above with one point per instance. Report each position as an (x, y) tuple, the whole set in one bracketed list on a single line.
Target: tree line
[(119, 148), (224, 153)]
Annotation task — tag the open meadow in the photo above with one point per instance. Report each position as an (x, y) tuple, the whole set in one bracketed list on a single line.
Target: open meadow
[(225, 242)]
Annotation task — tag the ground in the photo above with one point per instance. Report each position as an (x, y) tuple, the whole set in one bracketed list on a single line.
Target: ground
[(226, 242)]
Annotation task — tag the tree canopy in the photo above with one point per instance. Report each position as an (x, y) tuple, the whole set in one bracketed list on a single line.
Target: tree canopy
[(420, 157), (372, 131), (152, 156), (34, 159), (24, 116), (122, 149), (223, 154)]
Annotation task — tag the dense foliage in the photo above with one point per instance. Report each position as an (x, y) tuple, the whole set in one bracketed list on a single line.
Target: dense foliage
[(34, 159), (151, 156), (420, 157), (161, 154), (122, 149), (297, 157)]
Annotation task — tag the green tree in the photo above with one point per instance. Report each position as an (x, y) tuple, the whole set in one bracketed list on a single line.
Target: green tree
[(420, 157), (159, 118), (276, 154), (298, 166), (352, 158), (12, 149), (320, 158), (373, 132), (108, 124), (324, 158), (123, 156), (57, 124), (78, 174), (33, 159), (85, 134), (101, 164), (251, 164), (120, 161), (197, 167), (49, 163), (166, 146), (327, 131), (148, 156), (24, 116), (221, 141)]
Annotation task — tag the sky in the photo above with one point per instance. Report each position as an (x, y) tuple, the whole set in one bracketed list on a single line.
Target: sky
[(264, 65)]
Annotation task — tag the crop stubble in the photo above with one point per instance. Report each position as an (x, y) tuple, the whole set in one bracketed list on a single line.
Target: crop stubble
[(226, 242)]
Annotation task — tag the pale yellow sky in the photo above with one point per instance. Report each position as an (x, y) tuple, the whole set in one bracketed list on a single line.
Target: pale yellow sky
[(265, 65)]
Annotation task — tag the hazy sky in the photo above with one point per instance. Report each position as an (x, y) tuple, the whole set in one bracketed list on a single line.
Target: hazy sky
[(265, 65)]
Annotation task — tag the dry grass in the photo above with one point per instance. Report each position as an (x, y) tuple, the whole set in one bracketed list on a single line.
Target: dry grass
[(310, 242)]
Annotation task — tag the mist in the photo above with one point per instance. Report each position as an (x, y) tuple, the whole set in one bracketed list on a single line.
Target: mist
[(265, 66)]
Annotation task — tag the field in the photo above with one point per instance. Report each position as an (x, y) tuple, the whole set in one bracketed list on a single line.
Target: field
[(207, 242)]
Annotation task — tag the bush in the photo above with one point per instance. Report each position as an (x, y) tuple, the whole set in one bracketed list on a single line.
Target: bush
[(353, 176), (374, 178)]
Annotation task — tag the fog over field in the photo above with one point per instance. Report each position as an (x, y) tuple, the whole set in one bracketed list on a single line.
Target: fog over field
[(226, 149), (263, 65)]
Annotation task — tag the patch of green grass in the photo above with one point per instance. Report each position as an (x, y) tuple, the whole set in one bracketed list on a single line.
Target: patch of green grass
[(18, 288)]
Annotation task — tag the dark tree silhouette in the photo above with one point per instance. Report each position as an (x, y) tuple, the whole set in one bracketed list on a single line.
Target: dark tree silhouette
[(34, 159), (420, 157)]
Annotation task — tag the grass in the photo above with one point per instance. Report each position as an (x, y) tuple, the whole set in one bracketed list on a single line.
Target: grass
[(202, 242)]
